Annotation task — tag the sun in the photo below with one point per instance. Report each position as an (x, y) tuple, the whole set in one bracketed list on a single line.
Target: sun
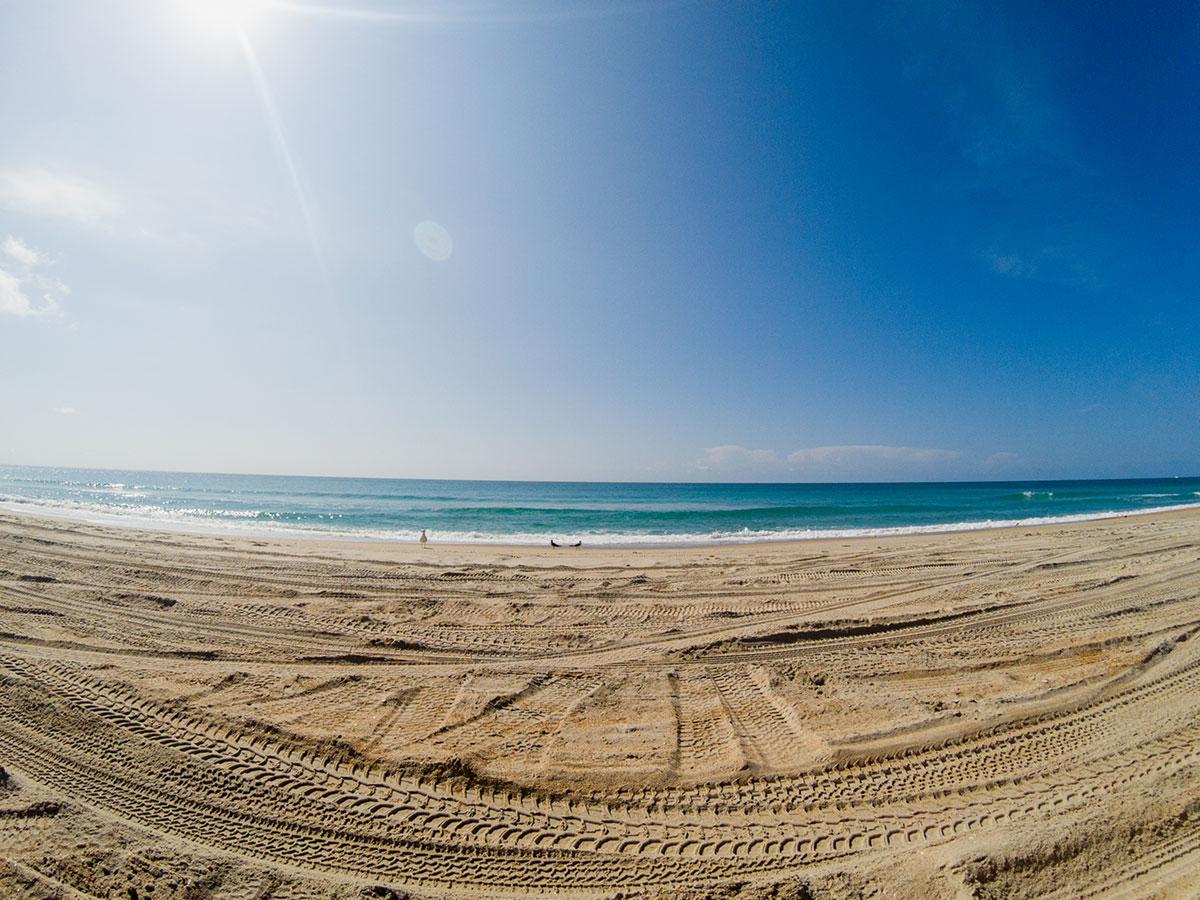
[(220, 16)]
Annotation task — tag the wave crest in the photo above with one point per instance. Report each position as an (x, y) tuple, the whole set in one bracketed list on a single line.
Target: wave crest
[(281, 525)]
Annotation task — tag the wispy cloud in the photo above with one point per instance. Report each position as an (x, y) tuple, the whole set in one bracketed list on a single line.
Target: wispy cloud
[(42, 191), (847, 460), (65, 410), (1064, 265), (12, 299), (20, 252), (19, 277), (857, 453), (993, 89), (728, 455), (1013, 132), (1010, 264)]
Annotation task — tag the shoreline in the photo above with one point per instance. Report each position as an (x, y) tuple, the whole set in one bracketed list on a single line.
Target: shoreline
[(504, 514), (436, 551)]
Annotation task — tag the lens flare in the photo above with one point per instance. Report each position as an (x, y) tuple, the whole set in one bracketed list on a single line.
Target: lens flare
[(433, 240)]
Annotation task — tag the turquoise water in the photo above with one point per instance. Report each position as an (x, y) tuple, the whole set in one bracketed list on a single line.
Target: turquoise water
[(523, 512)]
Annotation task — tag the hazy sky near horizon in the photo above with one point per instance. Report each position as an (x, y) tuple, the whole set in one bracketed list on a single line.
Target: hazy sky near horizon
[(602, 240)]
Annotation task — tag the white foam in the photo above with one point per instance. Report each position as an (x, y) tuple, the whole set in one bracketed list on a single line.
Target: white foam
[(160, 518)]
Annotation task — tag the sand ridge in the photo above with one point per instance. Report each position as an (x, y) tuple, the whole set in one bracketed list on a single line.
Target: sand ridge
[(993, 713)]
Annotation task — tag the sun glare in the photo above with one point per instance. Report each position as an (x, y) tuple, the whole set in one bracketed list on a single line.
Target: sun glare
[(220, 16)]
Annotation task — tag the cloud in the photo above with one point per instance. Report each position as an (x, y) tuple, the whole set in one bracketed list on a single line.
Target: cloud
[(999, 100), (40, 191), (1001, 457), (993, 89), (860, 453), (1064, 265), (19, 277), (12, 299), (65, 410), (1010, 264), (729, 455), (845, 462), (19, 251)]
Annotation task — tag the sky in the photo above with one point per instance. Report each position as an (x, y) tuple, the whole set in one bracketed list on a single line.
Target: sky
[(630, 240)]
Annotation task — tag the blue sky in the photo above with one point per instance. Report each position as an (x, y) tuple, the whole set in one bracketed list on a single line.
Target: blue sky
[(601, 240)]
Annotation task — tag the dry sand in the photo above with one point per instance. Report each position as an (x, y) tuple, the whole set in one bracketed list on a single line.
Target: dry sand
[(1010, 713)]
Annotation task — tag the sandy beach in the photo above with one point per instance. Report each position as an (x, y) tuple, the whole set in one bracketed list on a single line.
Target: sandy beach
[(1002, 713)]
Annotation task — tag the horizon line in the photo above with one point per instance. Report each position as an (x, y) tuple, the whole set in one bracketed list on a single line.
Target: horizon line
[(1038, 479)]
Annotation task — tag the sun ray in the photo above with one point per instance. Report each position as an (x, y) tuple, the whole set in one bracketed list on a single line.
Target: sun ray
[(279, 136), (483, 13)]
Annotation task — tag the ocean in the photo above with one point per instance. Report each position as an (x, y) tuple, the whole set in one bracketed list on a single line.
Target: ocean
[(596, 513)]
